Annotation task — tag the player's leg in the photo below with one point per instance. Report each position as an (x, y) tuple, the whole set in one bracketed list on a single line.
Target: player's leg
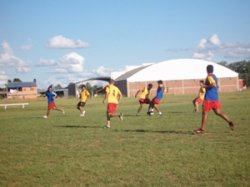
[(203, 122), (151, 107), (139, 109), (156, 107), (82, 109), (194, 101), (48, 111), (60, 110), (218, 112), (47, 114), (108, 119)]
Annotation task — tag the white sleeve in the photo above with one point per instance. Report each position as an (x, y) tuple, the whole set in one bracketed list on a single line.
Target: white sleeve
[(54, 93)]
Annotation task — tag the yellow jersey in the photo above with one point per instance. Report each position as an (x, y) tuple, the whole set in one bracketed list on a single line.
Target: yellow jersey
[(113, 94), (202, 92), (144, 93), (84, 95)]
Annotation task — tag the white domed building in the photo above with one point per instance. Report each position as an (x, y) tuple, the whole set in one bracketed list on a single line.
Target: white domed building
[(181, 76)]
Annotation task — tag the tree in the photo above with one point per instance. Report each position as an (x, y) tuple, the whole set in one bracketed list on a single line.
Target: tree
[(17, 80), (241, 67)]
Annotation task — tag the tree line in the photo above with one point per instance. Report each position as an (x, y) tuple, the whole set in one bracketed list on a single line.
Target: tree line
[(241, 67)]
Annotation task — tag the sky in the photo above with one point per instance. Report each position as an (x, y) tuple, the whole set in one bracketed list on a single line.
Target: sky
[(64, 41)]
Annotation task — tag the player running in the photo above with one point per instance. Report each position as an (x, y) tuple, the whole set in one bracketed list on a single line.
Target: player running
[(83, 99), (154, 104), (211, 101), (200, 97), (51, 104), (143, 97), (113, 96)]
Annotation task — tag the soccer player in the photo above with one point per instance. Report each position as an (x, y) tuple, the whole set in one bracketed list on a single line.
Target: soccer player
[(154, 104), (200, 97), (143, 97), (113, 96), (51, 104), (211, 101), (83, 99)]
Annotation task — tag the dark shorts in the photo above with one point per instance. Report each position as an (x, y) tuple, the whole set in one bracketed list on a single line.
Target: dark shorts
[(211, 105), (81, 104), (144, 101)]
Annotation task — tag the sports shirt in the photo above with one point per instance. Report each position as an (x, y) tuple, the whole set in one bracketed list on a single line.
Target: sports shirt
[(112, 93), (211, 92), (84, 95)]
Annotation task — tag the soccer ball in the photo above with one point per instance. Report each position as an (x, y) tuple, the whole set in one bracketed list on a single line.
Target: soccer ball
[(151, 112)]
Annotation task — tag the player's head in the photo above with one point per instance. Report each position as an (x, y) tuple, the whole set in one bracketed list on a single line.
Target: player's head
[(160, 83), (49, 88), (210, 69), (202, 82), (111, 81), (83, 86), (150, 86)]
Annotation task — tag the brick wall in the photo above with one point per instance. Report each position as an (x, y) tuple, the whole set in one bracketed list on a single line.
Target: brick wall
[(25, 93), (177, 87)]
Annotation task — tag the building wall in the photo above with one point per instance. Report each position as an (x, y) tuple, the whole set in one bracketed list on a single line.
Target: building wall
[(24, 93), (122, 85), (178, 87)]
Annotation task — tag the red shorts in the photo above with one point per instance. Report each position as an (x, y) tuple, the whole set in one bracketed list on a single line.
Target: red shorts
[(144, 101), (156, 101), (111, 108), (51, 106), (198, 100), (211, 105)]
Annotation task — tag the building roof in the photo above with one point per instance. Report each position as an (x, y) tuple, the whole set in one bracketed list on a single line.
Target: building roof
[(180, 69), (130, 73), (21, 84)]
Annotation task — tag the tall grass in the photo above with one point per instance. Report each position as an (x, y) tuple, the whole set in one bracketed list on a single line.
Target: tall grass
[(68, 150)]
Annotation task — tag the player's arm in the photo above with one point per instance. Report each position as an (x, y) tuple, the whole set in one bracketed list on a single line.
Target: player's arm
[(106, 94), (137, 93), (211, 82), (119, 97), (54, 93), (166, 90)]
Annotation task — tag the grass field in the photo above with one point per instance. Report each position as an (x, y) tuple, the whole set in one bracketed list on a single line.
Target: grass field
[(67, 150)]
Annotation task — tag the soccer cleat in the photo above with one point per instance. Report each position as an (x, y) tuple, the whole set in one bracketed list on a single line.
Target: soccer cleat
[(45, 117), (231, 125), (63, 112), (160, 113), (83, 113), (107, 126), (121, 116), (199, 131)]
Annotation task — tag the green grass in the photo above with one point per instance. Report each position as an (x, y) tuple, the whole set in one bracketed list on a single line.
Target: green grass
[(139, 151)]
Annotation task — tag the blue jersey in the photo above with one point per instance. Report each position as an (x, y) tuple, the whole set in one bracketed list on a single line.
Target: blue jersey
[(50, 96), (211, 92), (160, 92)]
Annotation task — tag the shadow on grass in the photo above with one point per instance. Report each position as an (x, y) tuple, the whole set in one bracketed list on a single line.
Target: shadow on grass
[(80, 126), (127, 130), (153, 131)]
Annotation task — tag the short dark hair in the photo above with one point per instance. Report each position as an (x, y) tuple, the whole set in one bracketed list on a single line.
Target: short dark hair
[(159, 82), (150, 85), (83, 86), (210, 68), (202, 81), (111, 81), (50, 86)]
